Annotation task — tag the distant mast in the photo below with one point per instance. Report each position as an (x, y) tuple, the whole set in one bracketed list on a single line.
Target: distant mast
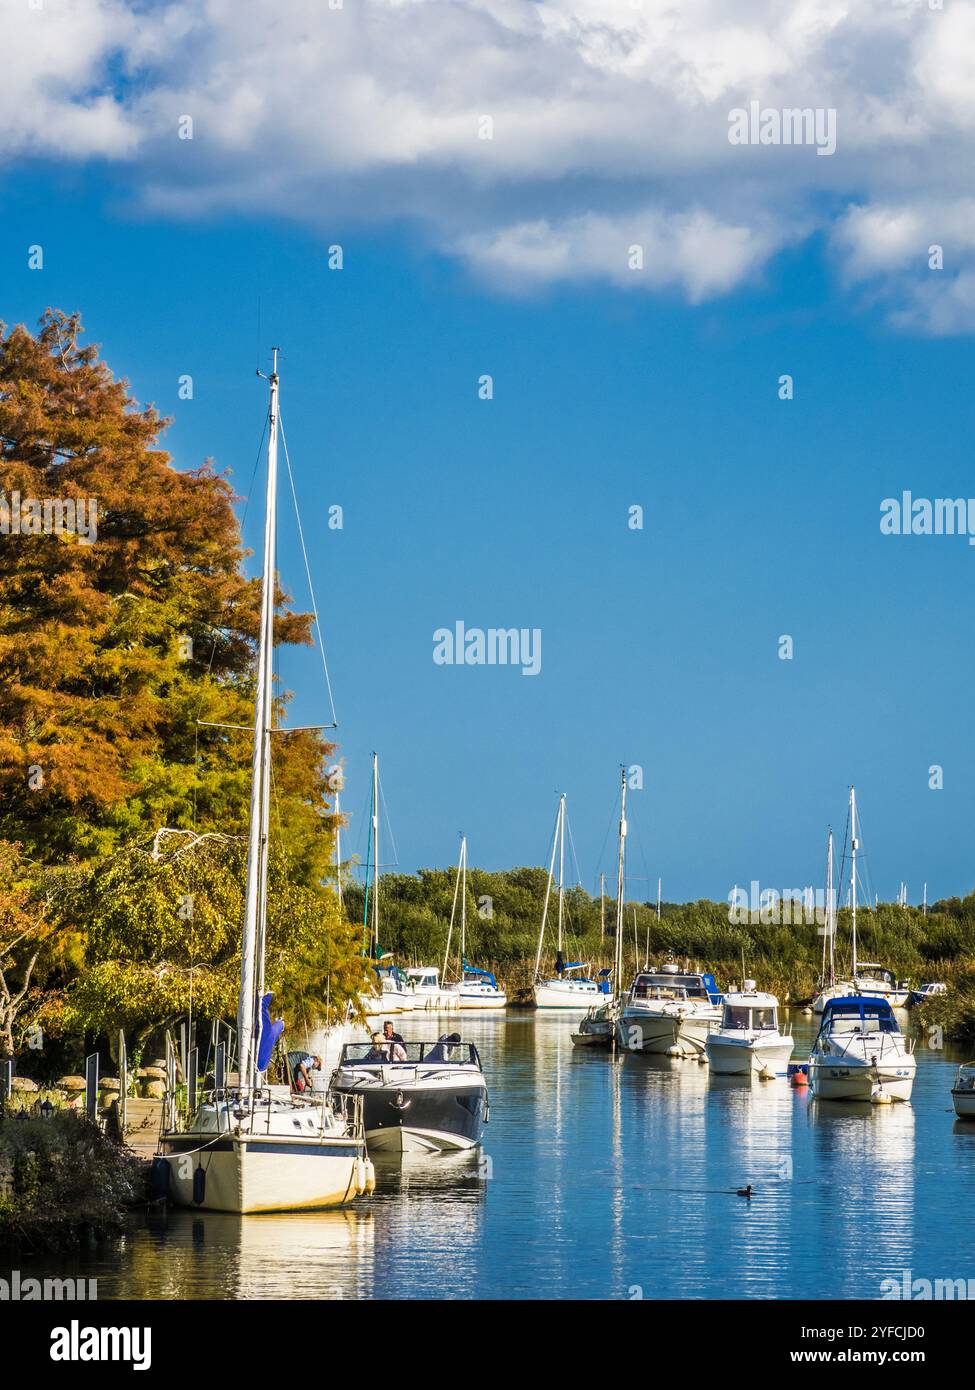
[(255, 893), (375, 856)]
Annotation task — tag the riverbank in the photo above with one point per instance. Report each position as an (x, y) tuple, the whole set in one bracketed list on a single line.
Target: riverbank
[(64, 1185)]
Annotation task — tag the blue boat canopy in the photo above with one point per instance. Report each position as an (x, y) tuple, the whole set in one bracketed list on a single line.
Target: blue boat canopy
[(481, 974), (860, 1006)]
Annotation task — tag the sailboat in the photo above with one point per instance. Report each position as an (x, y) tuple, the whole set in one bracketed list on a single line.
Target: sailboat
[(392, 992), (254, 1147), (567, 990), (598, 1028), (476, 989), (867, 977)]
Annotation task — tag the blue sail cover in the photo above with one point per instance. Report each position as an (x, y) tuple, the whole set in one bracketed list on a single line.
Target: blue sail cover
[(269, 1034)]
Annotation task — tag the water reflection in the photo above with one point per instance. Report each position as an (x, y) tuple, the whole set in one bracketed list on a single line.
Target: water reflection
[(602, 1175)]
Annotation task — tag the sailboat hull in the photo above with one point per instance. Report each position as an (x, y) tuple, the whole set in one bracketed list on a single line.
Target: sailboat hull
[(257, 1173), (566, 994)]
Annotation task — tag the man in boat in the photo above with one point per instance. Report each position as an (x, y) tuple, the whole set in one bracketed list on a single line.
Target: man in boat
[(390, 1044), (389, 1033), (298, 1065), (443, 1048)]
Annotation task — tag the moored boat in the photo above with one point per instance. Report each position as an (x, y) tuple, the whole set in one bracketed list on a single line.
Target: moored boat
[(566, 989), (963, 1092), (860, 1053), (749, 1040), (670, 1011), (428, 992), (417, 1097), (251, 1147)]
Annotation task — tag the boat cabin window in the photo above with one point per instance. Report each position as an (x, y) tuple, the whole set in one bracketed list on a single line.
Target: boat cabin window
[(741, 1016)]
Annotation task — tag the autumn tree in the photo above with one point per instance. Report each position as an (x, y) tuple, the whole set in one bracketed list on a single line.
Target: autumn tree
[(120, 650)]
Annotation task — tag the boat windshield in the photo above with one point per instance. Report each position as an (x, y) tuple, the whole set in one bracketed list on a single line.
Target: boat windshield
[(669, 987), (870, 970), (739, 1016), (386, 1054), (863, 1021)]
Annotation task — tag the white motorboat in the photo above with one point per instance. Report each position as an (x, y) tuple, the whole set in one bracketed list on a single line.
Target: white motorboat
[(933, 989), (474, 989), (749, 1039), (428, 993), (250, 1147), (599, 1027), (417, 1097), (393, 993), (963, 1092), (860, 1053), (669, 1011)]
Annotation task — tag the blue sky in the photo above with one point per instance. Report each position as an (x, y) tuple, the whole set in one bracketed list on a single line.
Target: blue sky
[(659, 647)]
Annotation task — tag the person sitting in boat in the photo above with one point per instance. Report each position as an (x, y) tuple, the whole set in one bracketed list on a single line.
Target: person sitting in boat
[(390, 1035), (298, 1065), (386, 1047), (376, 1053), (443, 1048)]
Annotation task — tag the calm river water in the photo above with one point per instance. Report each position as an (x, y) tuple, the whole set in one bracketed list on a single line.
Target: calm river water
[(603, 1179)]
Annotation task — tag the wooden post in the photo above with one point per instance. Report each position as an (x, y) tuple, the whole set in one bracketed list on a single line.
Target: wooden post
[(91, 1086)]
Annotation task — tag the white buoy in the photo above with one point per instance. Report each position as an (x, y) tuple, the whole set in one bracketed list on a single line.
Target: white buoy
[(807, 1013), (880, 1098), (703, 1058), (766, 1074), (674, 1051)]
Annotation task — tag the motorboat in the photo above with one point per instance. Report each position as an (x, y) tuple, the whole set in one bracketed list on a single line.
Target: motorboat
[(860, 1053), (393, 992), (669, 1011), (963, 1092), (924, 992), (417, 1097), (428, 993), (478, 989), (749, 1040), (598, 1027)]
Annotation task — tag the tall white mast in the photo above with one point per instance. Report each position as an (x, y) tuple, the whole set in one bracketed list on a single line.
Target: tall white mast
[(453, 912), (561, 870), (924, 905), (375, 856), (854, 844), (255, 893), (602, 907), (830, 938), (620, 881), (548, 891), (463, 902)]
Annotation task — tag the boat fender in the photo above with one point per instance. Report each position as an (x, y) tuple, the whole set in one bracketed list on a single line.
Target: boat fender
[(370, 1176), (360, 1177), (199, 1185)]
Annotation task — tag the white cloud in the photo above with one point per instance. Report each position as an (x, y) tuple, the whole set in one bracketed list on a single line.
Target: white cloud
[(609, 115)]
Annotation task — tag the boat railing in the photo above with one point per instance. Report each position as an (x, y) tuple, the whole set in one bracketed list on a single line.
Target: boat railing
[(231, 1104)]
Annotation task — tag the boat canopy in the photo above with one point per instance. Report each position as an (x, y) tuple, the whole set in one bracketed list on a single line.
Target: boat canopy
[(485, 975), (873, 1014), (576, 965)]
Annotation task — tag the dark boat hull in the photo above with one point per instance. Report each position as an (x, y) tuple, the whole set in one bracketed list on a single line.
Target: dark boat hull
[(418, 1119)]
